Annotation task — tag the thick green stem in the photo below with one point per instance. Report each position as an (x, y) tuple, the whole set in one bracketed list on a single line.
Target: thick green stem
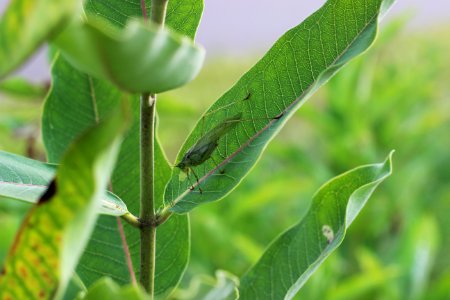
[(147, 210), (147, 140), (159, 8)]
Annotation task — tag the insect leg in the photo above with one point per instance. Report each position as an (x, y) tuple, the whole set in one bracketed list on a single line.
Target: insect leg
[(198, 181), (189, 180)]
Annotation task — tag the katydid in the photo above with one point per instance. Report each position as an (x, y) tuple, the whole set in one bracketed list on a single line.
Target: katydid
[(205, 146)]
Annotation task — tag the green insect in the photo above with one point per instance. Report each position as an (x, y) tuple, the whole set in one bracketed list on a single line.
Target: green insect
[(203, 149)]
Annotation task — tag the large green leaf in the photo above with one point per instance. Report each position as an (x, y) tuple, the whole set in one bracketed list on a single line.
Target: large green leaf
[(76, 101), (266, 96), (292, 258), (25, 179), (26, 24), (108, 52), (56, 230), (182, 16)]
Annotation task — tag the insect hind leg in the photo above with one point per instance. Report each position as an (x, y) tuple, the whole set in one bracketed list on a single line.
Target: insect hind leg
[(198, 181), (190, 182)]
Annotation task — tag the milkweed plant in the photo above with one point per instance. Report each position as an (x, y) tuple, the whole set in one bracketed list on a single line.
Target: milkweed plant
[(109, 218)]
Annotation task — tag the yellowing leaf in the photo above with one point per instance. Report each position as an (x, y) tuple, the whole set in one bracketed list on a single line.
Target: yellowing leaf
[(55, 231)]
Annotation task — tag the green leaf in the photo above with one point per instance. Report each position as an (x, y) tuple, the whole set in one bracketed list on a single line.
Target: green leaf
[(25, 179), (26, 24), (56, 230), (223, 287), (108, 52), (267, 96), (77, 100), (292, 258), (22, 88), (183, 16), (106, 288)]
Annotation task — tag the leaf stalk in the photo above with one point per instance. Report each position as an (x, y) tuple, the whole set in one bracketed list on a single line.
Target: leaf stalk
[(132, 220)]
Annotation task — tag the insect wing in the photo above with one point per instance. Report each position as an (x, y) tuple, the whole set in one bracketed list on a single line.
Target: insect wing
[(205, 146), (201, 152), (220, 130)]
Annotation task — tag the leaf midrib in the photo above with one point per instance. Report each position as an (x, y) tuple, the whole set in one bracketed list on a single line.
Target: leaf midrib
[(22, 184)]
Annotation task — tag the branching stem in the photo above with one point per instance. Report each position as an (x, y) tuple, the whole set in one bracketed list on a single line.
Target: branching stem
[(147, 214), (147, 210)]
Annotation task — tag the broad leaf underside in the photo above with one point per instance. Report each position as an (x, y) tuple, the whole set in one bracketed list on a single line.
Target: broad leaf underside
[(295, 67)]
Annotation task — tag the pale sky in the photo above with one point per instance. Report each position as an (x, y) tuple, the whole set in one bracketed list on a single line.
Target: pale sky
[(243, 25), (240, 27)]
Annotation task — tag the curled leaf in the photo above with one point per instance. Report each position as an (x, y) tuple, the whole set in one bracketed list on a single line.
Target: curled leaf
[(294, 256), (25, 179), (138, 58)]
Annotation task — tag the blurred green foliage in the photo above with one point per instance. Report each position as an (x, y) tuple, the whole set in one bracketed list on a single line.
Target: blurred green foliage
[(396, 96)]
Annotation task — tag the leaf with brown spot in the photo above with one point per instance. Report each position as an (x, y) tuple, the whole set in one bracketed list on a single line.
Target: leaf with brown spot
[(28, 180), (60, 229), (295, 255)]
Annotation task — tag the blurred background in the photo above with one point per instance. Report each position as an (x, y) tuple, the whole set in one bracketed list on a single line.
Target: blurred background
[(396, 96)]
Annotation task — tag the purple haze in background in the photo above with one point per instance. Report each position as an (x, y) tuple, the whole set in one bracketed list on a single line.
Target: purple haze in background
[(244, 27)]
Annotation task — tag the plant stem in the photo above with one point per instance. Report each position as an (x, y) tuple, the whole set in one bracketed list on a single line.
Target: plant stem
[(158, 14), (147, 210), (147, 140)]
